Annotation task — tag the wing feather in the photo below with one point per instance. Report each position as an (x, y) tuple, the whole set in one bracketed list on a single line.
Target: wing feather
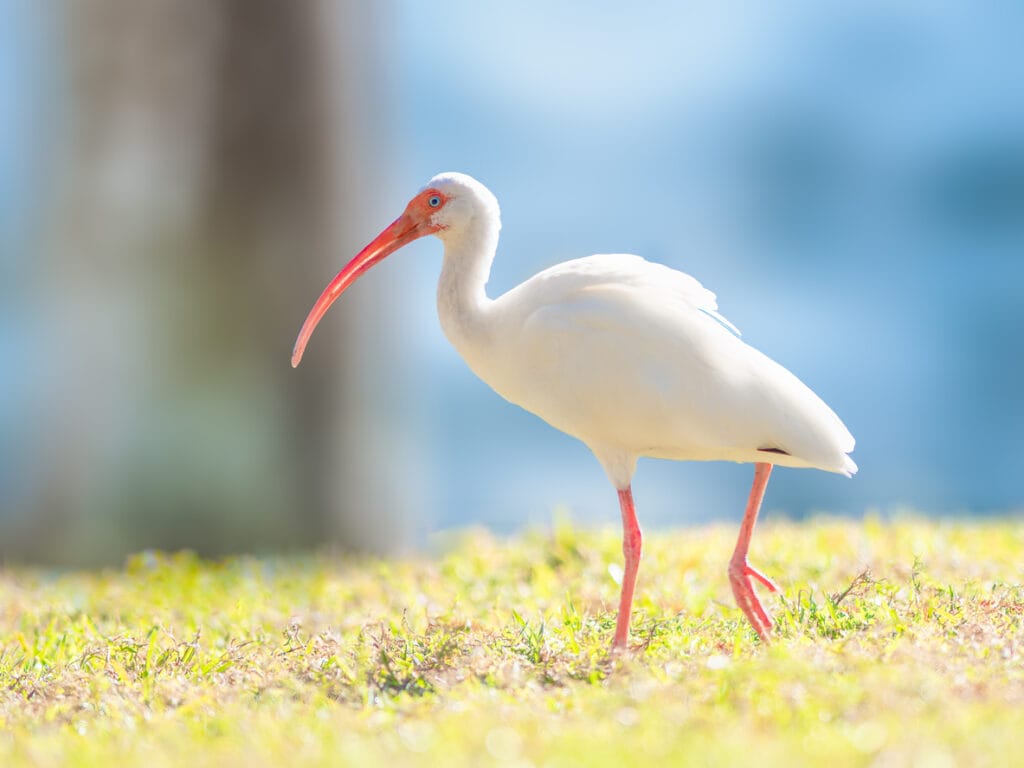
[(630, 270), (619, 351)]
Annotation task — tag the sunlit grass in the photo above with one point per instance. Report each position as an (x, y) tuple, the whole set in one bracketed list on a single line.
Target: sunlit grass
[(897, 644)]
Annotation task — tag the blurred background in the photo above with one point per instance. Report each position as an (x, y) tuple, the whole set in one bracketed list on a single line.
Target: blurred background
[(180, 178)]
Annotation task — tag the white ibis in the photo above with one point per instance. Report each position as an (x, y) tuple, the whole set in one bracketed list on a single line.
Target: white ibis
[(628, 356)]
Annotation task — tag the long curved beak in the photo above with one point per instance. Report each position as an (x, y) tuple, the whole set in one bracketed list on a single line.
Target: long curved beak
[(401, 231)]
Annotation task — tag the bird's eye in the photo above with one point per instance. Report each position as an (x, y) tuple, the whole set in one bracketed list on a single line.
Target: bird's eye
[(433, 201)]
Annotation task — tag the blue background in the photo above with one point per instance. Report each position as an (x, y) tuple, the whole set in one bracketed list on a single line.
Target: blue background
[(848, 178)]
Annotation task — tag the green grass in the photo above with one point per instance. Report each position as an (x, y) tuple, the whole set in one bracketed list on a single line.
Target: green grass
[(897, 644)]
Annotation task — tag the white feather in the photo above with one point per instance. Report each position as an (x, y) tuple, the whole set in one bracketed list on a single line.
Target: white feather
[(630, 357)]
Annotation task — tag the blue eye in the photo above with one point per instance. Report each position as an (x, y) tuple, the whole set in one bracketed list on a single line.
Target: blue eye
[(434, 201)]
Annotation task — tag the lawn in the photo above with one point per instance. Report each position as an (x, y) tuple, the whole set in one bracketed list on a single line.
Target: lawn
[(897, 643)]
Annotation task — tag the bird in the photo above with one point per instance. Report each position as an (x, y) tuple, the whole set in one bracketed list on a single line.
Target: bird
[(629, 356)]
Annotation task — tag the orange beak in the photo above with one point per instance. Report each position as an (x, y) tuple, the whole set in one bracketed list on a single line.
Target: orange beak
[(401, 231)]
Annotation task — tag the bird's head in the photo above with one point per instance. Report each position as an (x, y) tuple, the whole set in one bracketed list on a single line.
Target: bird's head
[(461, 201), (445, 207)]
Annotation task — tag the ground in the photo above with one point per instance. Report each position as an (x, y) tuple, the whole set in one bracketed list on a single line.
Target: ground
[(897, 643)]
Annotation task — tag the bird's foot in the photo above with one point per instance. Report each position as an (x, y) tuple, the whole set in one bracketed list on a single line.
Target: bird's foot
[(740, 575)]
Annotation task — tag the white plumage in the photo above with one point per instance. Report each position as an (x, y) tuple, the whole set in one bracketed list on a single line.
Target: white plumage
[(630, 357)]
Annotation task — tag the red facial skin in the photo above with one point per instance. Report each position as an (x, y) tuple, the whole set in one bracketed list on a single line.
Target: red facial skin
[(414, 223)]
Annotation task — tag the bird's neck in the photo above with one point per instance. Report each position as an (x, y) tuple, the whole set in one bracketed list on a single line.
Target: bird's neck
[(462, 303)]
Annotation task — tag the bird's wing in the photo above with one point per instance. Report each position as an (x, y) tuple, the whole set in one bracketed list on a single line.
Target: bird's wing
[(625, 269), (618, 351), (616, 345)]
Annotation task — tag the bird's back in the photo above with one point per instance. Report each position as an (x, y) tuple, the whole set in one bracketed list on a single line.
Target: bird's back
[(633, 357)]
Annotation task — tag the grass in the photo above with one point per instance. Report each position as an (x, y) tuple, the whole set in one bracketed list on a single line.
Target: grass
[(897, 644)]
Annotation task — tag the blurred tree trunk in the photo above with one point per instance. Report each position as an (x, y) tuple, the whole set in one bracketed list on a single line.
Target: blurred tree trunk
[(207, 145)]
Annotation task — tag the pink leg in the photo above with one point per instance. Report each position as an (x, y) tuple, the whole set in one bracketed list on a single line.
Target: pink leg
[(740, 571), (631, 546)]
